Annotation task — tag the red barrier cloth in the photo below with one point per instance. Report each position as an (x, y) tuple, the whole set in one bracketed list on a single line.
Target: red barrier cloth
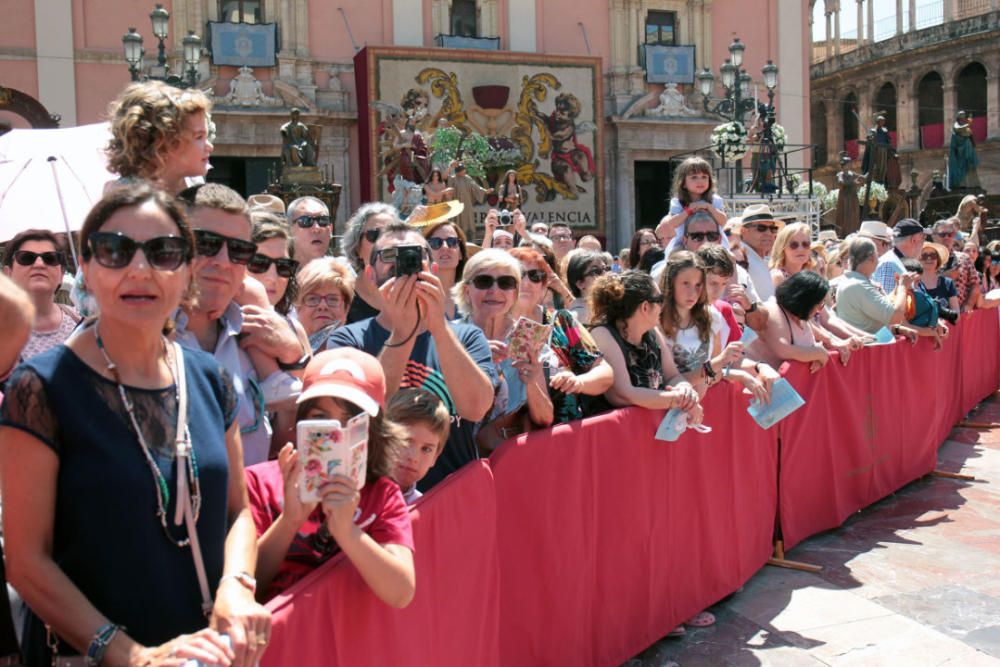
[(870, 428), (331, 617), (609, 538)]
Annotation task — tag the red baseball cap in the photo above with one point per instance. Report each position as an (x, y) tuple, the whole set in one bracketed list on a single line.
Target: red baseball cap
[(346, 373)]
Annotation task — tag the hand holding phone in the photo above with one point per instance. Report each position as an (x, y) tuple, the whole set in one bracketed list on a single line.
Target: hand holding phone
[(326, 449)]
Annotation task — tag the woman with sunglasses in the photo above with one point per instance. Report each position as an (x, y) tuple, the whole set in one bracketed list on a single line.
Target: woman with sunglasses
[(103, 439), (576, 368), (363, 229), (486, 297), (583, 268), (449, 252), (643, 240), (326, 290), (34, 261)]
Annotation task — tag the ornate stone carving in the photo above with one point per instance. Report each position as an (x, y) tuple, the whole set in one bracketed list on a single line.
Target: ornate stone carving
[(672, 103), (245, 91)]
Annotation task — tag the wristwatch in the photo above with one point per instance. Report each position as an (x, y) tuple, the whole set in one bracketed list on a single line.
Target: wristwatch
[(296, 365), (753, 307)]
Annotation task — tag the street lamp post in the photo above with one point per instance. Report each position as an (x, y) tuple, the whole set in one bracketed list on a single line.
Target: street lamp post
[(135, 53)]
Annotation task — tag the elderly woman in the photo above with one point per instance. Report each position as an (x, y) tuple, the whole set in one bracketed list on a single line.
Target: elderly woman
[(583, 268), (486, 297), (106, 406), (788, 335), (363, 229), (575, 364), (450, 253), (326, 290)]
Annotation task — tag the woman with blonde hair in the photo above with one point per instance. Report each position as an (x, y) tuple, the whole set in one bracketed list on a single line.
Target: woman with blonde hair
[(160, 134), (791, 252), (326, 290)]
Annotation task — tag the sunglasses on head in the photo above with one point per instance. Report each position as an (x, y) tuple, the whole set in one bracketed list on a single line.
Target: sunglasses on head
[(371, 235), (307, 221), (27, 258), (534, 275), (484, 282), (795, 245), (208, 244), (285, 267), (435, 243), (763, 229), (113, 250), (698, 237), (658, 299)]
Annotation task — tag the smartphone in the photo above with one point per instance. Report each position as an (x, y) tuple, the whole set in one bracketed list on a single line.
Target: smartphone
[(527, 339), (409, 259), (327, 448)]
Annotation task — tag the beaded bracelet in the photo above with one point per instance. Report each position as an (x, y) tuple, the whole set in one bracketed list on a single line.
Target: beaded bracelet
[(99, 644)]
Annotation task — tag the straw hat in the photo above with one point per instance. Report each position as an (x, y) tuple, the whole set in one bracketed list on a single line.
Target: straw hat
[(875, 229), (759, 213), (436, 213), (827, 235), (941, 251), (266, 203)]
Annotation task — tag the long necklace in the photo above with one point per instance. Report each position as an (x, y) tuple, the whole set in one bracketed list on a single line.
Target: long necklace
[(162, 491)]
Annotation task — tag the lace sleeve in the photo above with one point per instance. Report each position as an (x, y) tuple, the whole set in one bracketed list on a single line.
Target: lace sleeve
[(228, 398), (26, 407)]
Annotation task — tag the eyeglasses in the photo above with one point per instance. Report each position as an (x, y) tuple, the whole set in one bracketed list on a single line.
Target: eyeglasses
[(307, 221), (764, 229), (698, 237), (115, 251), (484, 282), (435, 243), (331, 300), (27, 258), (372, 234), (558, 238), (208, 244), (285, 267), (658, 299), (596, 271), (929, 257), (534, 275), (795, 245), (944, 235)]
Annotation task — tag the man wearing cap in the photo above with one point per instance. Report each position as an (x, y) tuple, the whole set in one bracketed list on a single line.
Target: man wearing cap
[(908, 239), (759, 228), (419, 348), (966, 278), (312, 228)]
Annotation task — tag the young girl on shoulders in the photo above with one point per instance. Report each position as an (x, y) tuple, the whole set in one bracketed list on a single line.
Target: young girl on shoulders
[(694, 190)]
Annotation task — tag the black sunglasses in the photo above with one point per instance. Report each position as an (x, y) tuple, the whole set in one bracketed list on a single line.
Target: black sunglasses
[(534, 275), (764, 228), (115, 251), (373, 234), (436, 243), (208, 244), (485, 282), (307, 221), (285, 267), (698, 237), (27, 258)]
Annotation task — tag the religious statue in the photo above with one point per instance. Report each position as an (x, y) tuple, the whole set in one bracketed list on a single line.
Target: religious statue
[(469, 193), (880, 161), (848, 215), (300, 146), (245, 91), (962, 158), (672, 103), (764, 158)]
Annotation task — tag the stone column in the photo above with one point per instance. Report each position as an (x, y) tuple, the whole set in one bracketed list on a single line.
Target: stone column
[(913, 15), (488, 19), (950, 101), (834, 129), (624, 195), (949, 10), (861, 23), (899, 17), (836, 29), (906, 114), (993, 104), (871, 21), (829, 40)]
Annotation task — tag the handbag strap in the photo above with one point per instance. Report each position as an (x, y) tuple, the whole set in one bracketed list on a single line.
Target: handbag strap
[(184, 511)]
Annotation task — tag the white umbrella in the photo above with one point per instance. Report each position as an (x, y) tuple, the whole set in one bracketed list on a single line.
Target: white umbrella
[(50, 179)]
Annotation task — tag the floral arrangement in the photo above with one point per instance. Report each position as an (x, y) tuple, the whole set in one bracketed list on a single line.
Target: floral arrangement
[(729, 141), (448, 141), (503, 154), (877, 195), (802, 189), (830, 199), (779, 136)]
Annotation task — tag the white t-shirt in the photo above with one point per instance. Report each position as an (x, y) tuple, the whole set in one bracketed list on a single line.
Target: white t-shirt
[(688, 348)]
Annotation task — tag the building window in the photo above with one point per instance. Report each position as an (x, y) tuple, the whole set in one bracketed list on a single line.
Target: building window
[(463, 18), (661, 28), (241, 11)]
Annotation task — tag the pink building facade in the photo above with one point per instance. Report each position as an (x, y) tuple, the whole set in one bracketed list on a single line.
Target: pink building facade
[(68, 56)]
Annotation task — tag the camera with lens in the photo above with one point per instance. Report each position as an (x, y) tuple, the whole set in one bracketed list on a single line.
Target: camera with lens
[(505, 218), (409, 259), (947, 314)]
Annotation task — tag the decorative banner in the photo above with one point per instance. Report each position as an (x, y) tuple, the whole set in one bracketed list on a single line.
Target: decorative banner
[(669, 64), (244, 44), (540, 116)]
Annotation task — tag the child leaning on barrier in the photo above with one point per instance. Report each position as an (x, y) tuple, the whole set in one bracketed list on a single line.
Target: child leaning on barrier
[(427, 422)]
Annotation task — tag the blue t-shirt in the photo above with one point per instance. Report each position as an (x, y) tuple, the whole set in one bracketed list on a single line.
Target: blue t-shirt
[(107, 537), (423, 371), (943, 291)]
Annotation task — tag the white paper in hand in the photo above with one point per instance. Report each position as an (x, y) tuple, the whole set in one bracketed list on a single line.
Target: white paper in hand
[(674, 423), (784, 401)]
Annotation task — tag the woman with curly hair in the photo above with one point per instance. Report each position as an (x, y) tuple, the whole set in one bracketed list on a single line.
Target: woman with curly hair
[(362, 230), (160, 134)]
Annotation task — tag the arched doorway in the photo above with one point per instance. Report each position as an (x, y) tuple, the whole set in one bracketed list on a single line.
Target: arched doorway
[(970, 88), (19, 109), (885, 103), (849, 119), (930, 110), (817, 123)]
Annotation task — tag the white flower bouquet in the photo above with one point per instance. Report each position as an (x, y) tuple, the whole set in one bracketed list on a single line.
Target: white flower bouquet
[(729, 141)]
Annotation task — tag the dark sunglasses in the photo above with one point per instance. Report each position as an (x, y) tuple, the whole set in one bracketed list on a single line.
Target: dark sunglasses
[(436, 243), (944, 235), (307, 221), (763, 229), (285, 267), (795, 245), (27, 258), (373, 234), (534, 275), (929, 257), (598, 271), (208, 244), (658, 299), (115, 251), (698, 237), (485, 282)]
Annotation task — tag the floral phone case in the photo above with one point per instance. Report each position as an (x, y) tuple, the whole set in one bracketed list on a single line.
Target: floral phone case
[(327, 448), (527, 339)]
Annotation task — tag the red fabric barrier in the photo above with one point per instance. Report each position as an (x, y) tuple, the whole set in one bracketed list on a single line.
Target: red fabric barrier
[(332, 618), (609, 538), (871, 427)]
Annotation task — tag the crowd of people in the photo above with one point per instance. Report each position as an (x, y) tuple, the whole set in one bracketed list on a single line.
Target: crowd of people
[(156, 388)]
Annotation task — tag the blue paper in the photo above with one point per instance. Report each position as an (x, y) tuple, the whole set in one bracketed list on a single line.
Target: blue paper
[(749, 336), (883, 337), (784, 401), (673, 425)]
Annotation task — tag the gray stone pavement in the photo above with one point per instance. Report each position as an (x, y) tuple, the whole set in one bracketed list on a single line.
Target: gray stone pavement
[(913, 580)]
